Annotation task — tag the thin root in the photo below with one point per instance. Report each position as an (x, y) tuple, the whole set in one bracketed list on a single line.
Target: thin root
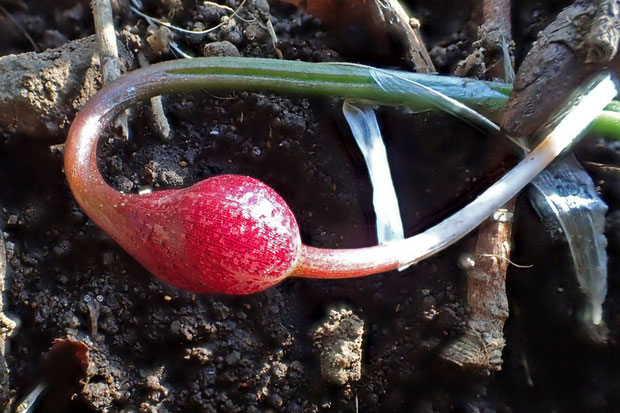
[(185, 31), (506, 259), (20, 27)]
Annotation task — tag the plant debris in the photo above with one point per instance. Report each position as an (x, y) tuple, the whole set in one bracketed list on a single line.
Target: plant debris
[(6, 328), (559, 61), (362, 120), (565, 198)]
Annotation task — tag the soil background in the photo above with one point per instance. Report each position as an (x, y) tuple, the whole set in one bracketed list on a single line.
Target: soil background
[(155, 348)]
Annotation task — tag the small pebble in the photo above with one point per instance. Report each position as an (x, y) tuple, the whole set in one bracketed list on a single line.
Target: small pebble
[(159, 39), (339, 341), (10, 250), (62, 248), (233, 358), (262, 6), (223, 48)]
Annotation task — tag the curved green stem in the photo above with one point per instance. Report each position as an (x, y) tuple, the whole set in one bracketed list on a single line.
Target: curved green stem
[(335, 80), (607, 124)]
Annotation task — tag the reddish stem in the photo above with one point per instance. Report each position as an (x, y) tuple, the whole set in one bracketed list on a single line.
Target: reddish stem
[(344, 263)]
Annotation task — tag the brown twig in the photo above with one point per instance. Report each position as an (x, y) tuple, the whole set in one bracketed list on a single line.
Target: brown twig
[(396, 14), (560, 60), (385, 16), (481, 344), (162, 126), (6, 327), (108, 51), (491, 56), (498, 27), (497, 12), (106, 40)]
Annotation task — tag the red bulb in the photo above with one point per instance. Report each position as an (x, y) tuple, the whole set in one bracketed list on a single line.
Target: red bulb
[(227, 234)]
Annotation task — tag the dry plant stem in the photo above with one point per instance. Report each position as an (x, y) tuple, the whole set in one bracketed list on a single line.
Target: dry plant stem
[(161, 122), (480, 347), (560, 60), (6, 327), (162, 126), (274, 40), (393, 11), (497, 13), (108, 52), (486, 282), (20, 28), (106, 40), (151, 19), (383, 15)]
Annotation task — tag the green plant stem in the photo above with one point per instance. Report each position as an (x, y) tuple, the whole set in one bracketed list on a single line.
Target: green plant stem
[(319, 79), (607, 124), (614, 106)]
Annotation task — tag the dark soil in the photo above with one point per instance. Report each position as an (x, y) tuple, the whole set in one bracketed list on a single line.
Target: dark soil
[(155, 348)]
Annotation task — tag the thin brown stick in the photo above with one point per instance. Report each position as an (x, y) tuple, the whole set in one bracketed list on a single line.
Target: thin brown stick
[(491, 55), (385, 16), (394, 12), (498, 13), (162, 126), (560, 60), (106, 40), (20, 28), (108, 51), (481, 344), (6, 327)]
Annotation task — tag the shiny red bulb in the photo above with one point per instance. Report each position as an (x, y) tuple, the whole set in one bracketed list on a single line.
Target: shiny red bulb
[(227, 234)]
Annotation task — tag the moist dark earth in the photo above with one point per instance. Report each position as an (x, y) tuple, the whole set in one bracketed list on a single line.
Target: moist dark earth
[(155, 348)]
